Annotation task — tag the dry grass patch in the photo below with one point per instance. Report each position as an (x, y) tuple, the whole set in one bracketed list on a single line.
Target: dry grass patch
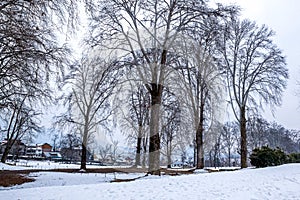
[(11, 179)]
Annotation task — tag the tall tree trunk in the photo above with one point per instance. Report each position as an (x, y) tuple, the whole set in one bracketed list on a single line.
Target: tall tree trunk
[(154, 142), (139, 146), (229, 157), (199, 139), (243, 138), (84, 150), (144, 151), (83, 157), (6, 152), (195, 153), (169, 160), (9, 145), (200, 150), (216, 156), (12, 132), (210, 158)]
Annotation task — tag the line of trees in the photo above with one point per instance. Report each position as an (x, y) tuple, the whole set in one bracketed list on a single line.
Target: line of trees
[(261, 133), (168, 68), (158, 39), (30, 57)]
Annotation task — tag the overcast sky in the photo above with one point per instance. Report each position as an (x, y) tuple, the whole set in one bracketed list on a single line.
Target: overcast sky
[(283, 17)]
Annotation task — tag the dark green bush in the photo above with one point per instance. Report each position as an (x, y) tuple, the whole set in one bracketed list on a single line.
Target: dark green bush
[(294, 158), (265, 156)]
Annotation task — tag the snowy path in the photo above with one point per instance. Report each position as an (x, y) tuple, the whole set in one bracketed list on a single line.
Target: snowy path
[(280, 183)]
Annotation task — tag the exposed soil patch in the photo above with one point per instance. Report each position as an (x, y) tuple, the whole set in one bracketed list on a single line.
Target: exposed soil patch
[(127, 180), (18, 177), (10, 179), (176, 172)]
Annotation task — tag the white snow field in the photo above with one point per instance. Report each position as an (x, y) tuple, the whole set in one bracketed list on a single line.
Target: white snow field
[(43, 165), (280, 183)]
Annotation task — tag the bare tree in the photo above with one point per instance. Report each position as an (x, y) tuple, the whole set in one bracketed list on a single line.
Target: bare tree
[(55, 138), (18, 119), (229, 138), (30, 57), (29, 52), (134, 118), (114, 151), (257, 128), (255, 69), (139, 114), (213, 144), (148, 28), (68, 144), (93, 85), (201, 83), (145, 145), (104, 152), (170, 124), (295, 136), (278, 136)]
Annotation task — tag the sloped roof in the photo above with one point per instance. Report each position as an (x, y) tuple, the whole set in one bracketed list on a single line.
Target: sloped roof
[(52, 155)]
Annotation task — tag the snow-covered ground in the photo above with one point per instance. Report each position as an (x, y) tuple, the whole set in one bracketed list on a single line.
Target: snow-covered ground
[(280, 183), (44, 165)]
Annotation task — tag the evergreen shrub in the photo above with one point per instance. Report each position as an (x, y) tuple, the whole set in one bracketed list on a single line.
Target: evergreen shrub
[(265, 156), (294, 158)]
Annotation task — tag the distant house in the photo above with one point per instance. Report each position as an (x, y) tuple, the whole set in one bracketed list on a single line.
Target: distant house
[(180, 164), (33, 150), (177, 164), (71, 154), (74, 154), (45, 147), (56, 156), (38, 150), (17, 149)]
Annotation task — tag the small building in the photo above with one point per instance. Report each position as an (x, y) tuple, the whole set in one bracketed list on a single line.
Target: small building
[(17, 149), (45, 147), (55, 156), (180, 164), (38, 150), (33, 150), (74, 154), (177, 164)]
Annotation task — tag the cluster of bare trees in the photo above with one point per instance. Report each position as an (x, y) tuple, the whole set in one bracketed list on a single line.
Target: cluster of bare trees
[(166, 68), (225, 149), (255, 70), (29, 56), (264, 133), (148, 33), (202, 47), (137, 121), (93, 83)]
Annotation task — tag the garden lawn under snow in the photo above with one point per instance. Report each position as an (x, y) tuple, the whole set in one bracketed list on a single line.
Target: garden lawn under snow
[(41, 165), (281, 182)]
